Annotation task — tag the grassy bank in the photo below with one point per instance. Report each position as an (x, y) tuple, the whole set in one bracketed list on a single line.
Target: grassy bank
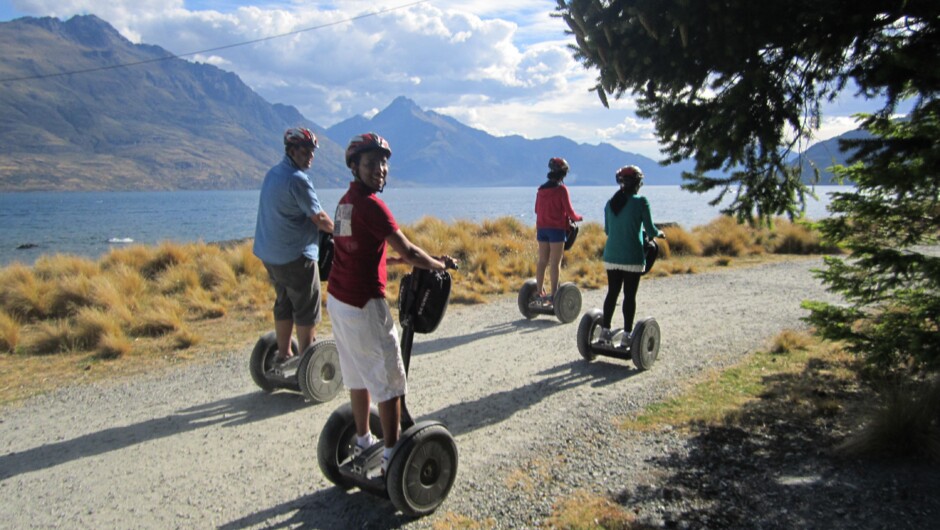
[(68, 319)]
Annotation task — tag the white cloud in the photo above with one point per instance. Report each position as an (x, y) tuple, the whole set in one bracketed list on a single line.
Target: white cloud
[(500, 66)]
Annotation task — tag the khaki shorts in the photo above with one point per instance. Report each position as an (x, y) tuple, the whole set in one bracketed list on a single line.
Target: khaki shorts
[(369, 351), (297, 286)]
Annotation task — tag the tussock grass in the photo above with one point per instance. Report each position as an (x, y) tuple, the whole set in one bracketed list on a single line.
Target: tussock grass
[(179, 279), (160, 300), (112, 347), (201, 304), (681, 243), (49, 337), (724, 237), (161, 317), (59, 266), (67, 295), (91, 325), (165, 256), (796, 238), (185, 339), (23, 295), (9, 333)]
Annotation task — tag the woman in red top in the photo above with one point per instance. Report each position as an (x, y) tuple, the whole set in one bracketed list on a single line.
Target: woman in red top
[(553, 211)]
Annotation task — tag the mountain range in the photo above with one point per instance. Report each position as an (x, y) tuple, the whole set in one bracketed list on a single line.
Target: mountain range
[(83, 108)]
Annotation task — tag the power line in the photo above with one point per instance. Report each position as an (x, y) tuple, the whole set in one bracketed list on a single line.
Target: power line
[(210, 50)]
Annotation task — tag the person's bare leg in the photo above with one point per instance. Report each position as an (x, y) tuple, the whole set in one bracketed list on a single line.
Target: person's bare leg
[(390, 413), (361, 402), (282, 330), (544, 252), (555, 254), (306, 335)]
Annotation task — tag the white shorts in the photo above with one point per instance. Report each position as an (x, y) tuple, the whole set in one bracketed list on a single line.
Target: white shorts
[(369, 351)]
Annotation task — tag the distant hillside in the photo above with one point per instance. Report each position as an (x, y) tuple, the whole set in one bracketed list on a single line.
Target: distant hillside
[(429, 149), (824, 155), (165, 124), (172, 124)]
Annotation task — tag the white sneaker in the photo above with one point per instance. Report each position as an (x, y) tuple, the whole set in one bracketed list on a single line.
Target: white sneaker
[(606, 336), (358, 449)]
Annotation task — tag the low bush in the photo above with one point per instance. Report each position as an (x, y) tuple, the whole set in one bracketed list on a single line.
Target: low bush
[(681, 243)]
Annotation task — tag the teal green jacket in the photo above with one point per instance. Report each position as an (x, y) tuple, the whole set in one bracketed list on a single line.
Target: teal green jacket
[(624, 248)]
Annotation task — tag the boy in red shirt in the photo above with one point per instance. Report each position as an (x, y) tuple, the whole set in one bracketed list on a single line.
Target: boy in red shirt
[(366, 338)]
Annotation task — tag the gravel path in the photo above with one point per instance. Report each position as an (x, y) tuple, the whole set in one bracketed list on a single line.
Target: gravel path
[(201, 447)]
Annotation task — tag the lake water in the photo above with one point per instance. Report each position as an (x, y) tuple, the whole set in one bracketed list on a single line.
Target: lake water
[(91, 223)]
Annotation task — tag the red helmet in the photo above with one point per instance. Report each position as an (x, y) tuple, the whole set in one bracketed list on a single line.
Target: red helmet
[(366, 142), (558, 164), (629, 172), (300, 137)]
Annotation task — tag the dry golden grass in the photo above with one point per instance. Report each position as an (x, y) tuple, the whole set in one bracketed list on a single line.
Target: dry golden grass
[(9, 332), (91, 325), (139, 307), (725, 237), (586, 511), (681, 243)]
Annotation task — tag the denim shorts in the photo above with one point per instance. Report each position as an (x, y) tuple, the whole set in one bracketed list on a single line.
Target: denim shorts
[(550, 235)]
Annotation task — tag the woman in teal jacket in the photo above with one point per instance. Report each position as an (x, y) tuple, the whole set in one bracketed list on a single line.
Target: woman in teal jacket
[(627, 218)]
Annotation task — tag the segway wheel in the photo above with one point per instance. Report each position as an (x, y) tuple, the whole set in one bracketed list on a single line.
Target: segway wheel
[(422, 471), (337, 440), (525, 296), (644, 348), (587, 333), (262, 360), (319, 375), (567, 302)]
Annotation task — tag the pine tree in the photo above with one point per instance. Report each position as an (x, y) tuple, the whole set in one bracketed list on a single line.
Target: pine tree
[(737, 86)]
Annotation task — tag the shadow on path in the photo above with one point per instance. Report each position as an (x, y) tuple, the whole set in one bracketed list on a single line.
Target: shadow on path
[(327, 509), (495, 408), (422, 344), (231, 412)]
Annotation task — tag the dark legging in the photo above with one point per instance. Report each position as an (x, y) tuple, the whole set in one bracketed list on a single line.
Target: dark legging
[(630, 282)]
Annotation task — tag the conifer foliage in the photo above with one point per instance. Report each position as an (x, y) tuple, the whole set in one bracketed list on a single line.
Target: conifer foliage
[(737, 85)]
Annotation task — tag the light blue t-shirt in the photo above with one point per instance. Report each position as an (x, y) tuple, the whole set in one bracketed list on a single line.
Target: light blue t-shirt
[(284, 231)]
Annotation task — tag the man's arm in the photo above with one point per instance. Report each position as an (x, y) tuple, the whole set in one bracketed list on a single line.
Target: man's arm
[(323, 222)]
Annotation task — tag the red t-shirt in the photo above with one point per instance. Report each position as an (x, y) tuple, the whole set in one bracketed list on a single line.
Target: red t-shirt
[(360, 226)]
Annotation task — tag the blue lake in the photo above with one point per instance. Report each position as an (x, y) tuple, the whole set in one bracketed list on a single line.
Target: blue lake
[(91, 223)]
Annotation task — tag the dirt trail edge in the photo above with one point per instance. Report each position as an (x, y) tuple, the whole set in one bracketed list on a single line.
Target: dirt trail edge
[(202, 447)]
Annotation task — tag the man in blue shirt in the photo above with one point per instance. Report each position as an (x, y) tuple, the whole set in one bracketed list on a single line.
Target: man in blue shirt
[(287, 236)]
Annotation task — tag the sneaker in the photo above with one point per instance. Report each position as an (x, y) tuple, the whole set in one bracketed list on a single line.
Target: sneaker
[(372, 442), (606, 336)]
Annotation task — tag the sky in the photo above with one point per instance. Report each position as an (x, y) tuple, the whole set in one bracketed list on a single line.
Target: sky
[(500, 66)]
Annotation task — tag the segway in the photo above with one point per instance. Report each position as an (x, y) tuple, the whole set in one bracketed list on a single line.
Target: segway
[(565, 303), (642, 347), (316, 372), (423, 464)]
